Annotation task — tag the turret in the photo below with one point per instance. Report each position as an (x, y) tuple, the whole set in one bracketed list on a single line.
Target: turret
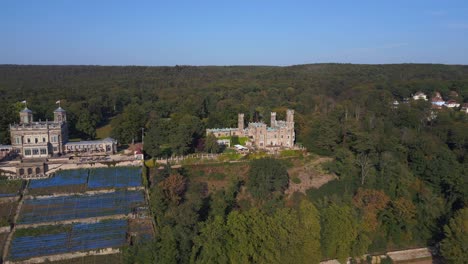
[(26, 116), (273, 119), (60, 115), (290, 116), (240, 122)]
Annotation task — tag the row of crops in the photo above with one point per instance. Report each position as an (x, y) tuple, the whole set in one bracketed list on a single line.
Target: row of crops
[(113, 177), (80, 237), (79, 206)]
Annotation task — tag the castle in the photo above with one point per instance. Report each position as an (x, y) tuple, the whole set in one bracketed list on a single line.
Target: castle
[(280, 133), (42, 139)]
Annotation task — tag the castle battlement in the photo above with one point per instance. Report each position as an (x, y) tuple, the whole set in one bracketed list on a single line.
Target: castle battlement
[(280, 133), (37, 125)]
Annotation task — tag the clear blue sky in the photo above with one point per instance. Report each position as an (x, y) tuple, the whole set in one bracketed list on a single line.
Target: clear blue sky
[(232, 32)]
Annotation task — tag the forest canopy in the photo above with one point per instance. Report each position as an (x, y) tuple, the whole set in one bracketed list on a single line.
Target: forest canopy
[(401, 170)]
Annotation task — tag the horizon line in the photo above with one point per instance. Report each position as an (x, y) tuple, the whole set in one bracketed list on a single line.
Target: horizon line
[(234, 65)]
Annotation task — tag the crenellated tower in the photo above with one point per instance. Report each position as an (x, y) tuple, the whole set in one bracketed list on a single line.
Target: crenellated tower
[(240, 122), (290, 117), (273, 119)]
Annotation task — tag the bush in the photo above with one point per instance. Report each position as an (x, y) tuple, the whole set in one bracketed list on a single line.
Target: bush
[(296, 180)]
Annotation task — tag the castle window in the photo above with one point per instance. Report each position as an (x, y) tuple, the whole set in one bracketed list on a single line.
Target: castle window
[(35, 140), (29, 140), (43, 139), (27, 152), (35, 151), (18, 140), (43, 151)]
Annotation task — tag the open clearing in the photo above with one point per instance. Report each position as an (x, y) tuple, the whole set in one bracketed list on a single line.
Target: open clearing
[(309, 173)]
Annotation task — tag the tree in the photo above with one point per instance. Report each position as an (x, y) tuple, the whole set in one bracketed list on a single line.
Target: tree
[(167, 247), (210, 245), (126, 127), (364, 162), (339, 231), (309, 230), (184, 134), (267, 176), (86, 124), (174, 187), (454, 247), (211, 144), (370, 202)]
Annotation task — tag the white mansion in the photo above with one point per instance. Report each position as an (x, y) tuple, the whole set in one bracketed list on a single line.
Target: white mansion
[(42, 139)]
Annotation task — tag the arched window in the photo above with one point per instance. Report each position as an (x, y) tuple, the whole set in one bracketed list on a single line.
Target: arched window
[(38, 170), (30, 171), (21, 171)]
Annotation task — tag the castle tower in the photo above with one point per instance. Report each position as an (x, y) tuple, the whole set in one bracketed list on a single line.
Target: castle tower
[(240, 122), (273, 119), (26, 116), (60, 115), (290, 116)]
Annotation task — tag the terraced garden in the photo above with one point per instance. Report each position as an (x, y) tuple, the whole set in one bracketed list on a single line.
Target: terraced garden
[(76, 211), (69, 181), (61, 208), (78, 237)]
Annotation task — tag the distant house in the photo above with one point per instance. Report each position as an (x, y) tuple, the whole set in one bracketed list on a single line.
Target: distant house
[(452, 104), (464, 108), (437, 101), (420, 96)]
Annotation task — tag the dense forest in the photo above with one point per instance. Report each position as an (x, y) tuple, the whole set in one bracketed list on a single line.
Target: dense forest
[(402, 170)]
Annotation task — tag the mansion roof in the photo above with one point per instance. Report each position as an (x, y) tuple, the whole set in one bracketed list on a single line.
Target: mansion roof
[(36, 125), (93, 142), (60, 109)]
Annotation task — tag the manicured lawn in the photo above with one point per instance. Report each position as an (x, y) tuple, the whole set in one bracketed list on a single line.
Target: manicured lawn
[(104, 131)]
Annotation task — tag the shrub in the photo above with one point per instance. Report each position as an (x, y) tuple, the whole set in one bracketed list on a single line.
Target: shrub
[(296, 180)]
